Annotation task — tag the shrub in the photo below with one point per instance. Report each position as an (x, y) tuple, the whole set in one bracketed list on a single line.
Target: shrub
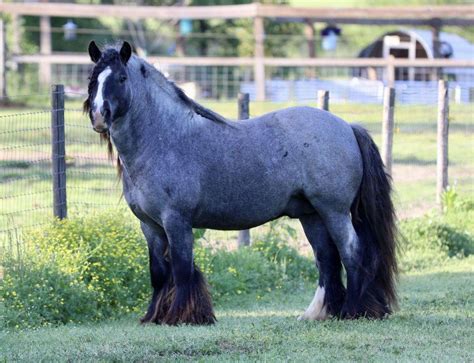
[(269, 263), (289, 263), (241, 272), (433, 239), (77, 269), (43, 295)]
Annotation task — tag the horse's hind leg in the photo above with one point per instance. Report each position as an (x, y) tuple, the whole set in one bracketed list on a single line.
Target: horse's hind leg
[(191, 303), (330, 292), (160, 272), (359, 270)]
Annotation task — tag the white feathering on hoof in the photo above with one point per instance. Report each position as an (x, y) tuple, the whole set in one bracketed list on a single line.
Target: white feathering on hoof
[(316, 310)]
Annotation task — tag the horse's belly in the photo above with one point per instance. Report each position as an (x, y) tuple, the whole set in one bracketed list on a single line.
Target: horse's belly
[(252, 215)]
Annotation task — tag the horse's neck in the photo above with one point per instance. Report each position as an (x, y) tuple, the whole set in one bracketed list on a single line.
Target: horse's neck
[(149, 128)]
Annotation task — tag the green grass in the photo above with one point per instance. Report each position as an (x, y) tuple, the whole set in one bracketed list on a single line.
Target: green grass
[(434, 323)]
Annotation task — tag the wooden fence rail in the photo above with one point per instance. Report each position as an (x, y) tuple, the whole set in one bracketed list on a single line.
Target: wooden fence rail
[(83, 58), (432, 16), (409, 15)]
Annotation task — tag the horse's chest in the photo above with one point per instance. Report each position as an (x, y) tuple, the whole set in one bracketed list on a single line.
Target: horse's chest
[(144, 204)]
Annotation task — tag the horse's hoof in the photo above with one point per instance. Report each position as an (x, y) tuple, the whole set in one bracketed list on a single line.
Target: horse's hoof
[(319, 317), (146, 320)]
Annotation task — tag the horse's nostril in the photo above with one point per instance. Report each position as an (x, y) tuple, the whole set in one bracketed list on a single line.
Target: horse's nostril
[(105, 110)]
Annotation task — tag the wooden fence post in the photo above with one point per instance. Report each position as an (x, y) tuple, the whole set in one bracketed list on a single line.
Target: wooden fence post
[(323, 100), (58, 143), (45, 49), (243, 102), (387, 127), (3, 70), (442, 150), (390, 71), (259, 57)]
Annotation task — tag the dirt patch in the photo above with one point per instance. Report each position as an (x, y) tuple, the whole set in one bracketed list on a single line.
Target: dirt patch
[(415, 173)]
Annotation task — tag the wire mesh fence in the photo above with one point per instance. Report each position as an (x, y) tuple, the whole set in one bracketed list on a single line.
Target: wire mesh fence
[(26, 193), (92, 181), (25, 178)]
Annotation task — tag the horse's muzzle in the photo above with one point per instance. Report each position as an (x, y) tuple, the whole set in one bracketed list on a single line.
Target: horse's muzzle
[(100, 130), (100, 118)]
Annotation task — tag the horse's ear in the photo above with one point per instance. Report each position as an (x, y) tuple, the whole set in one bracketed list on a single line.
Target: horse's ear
[(125, 52), (94, 52)]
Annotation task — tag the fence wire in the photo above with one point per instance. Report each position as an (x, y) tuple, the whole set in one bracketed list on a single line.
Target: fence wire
[(92, 181), (26, 197), (25, 169)]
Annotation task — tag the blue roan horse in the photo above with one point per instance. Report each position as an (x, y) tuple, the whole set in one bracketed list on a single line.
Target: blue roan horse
[(185, 166)]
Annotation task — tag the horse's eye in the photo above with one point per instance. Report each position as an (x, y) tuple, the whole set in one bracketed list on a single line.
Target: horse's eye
[(123, 78)]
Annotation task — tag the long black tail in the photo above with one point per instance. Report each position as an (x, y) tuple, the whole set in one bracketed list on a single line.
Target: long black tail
[(374, 220)]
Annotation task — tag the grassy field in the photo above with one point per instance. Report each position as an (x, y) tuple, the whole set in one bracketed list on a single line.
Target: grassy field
[(25, 187), (434, 323)]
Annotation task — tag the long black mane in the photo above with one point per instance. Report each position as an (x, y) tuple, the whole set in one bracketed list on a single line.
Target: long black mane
[(196, 107), (111, 55)]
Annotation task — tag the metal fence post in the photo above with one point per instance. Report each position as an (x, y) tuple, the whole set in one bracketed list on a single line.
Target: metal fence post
[(323, 100), (58, 143), (442, 141), (243, 104), (387, 127)]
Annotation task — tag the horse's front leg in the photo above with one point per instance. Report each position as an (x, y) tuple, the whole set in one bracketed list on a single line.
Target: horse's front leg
[(160, 273), (191, 303)]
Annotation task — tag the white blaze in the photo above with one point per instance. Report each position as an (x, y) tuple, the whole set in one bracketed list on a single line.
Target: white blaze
[(99, 96)]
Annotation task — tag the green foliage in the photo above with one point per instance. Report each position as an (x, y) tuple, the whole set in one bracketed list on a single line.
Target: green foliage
[(268, 264), (449, 199), (74, 270), (433, 239), (241, 272), (43, 295), (274, 247)]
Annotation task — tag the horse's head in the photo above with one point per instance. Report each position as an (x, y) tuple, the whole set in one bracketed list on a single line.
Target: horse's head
[(109, 91)]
